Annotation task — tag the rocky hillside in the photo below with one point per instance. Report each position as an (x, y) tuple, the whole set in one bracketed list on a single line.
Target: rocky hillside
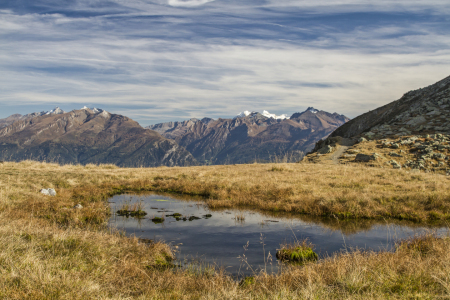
[(88, 136), (251, 136), (412, 132), (425, 110)]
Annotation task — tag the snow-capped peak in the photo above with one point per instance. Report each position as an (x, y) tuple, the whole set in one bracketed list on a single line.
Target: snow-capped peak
[(55, 111), (94, 110), (312, 109), (243, 114), (265, 113)]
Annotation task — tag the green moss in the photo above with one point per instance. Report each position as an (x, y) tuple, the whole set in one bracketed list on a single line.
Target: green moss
[(247, 281), (299, 254), (176, 215), (158, 220), (131, 213)]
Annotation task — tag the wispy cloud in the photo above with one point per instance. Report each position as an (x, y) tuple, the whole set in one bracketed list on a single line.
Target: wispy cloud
[(172, 60), (188, 3)]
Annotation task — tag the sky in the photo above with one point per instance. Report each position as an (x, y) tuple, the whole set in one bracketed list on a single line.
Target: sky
[(169, 60)]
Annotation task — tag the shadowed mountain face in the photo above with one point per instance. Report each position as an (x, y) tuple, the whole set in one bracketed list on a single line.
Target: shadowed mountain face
[(423, 111), (88, 136), (252, 137)]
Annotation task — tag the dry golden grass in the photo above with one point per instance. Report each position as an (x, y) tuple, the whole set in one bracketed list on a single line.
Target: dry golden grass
[(344, 191), (48, 250)]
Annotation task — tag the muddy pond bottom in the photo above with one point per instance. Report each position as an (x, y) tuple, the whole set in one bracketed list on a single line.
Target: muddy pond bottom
[(245, 242)]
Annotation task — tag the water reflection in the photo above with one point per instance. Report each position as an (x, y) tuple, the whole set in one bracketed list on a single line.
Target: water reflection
[(244, 241)]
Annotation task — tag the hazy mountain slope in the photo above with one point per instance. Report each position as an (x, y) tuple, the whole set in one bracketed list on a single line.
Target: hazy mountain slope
[(9, 120), (87, 136), (17, 117), (251, 136)]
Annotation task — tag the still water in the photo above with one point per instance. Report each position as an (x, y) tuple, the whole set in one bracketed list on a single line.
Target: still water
[(241, 240)]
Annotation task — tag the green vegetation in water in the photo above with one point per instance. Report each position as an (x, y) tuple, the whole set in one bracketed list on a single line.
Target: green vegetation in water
[(131, 213), (132, 210), (297, 253), (191, 218), (175, 215), (207, 216), (158, 220)]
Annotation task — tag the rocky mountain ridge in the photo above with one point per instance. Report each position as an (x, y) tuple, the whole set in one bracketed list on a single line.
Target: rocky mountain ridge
[(425, 110), (251, 136), (88, 136)]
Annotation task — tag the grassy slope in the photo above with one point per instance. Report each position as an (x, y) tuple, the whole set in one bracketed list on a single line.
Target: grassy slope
[(49, 250)]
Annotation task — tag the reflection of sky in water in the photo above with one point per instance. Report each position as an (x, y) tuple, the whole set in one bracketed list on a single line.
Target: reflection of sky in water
[(220, 239)]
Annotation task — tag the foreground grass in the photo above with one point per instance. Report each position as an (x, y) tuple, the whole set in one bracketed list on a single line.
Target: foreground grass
[(50, 250)]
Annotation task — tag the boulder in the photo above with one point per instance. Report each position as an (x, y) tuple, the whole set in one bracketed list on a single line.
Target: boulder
[(48, 192), (326, 149), (361, 139), (366, 158)]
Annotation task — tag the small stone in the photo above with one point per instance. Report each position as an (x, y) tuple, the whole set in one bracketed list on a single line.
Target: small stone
[(353, 151), (395, 154), (395, 164), (78, 206)]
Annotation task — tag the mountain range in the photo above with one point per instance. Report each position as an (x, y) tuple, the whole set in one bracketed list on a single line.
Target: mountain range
[(252, 136), (96, 136)]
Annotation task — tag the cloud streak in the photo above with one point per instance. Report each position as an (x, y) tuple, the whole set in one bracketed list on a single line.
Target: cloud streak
[(188, 3), (154, 62)]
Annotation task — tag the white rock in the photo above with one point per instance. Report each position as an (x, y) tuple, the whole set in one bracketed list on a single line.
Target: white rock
[(78, 206), (48, 192)]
